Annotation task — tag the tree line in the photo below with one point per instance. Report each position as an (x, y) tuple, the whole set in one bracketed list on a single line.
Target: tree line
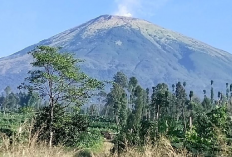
[(57, 90)]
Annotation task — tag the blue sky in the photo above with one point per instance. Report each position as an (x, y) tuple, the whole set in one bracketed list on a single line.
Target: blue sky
[(26, 22)]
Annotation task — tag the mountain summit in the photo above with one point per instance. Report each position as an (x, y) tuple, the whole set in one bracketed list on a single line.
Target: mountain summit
[(138, 48)]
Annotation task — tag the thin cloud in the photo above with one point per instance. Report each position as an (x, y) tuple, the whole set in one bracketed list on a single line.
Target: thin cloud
[(131, 8)]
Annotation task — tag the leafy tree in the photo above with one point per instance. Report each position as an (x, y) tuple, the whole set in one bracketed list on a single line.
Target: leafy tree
[(57, 79), (12, 102), (120, 105), (207, 131), (146, 111), (92, 110), (139, 104), (161, 106), (101, 99), (113, 100), (116, 105), (68, 127), (123, 111), (116, 97), (6, 101), (135, 117), (152, 105), (181, 99), (133, 82), (121, 79)]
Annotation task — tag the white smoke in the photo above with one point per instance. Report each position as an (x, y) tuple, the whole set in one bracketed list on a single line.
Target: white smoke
[(123, 11), (131, 8), (126, 7)]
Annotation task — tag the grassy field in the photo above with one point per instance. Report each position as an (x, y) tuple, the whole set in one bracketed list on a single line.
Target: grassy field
[(33, 149)]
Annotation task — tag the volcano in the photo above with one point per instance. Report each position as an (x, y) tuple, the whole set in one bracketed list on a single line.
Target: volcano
[(152, 54)]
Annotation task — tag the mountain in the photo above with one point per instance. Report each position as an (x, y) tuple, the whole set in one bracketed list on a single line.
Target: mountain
[(138, 48)]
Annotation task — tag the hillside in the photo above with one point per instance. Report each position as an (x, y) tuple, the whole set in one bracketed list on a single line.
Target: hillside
[(137, 47)]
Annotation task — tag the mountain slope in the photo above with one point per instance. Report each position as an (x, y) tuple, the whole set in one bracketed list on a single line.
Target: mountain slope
[(139, 48)]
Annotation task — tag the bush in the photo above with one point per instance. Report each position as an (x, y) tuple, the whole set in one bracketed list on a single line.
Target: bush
[(90, 139), (67, 127)]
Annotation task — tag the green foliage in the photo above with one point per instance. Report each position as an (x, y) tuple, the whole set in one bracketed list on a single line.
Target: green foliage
[(57, 78), (12, 102), (114, 101), (208, 127), (121, 79), (90, 139), (123, 111), (15, 126), (191, 123), (97, 122), (67, 126), (148, 130), (133, 114), (206, 103), (133, 82), (14, 120)]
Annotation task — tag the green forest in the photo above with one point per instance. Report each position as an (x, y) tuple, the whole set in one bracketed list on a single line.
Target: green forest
[(60, 106)]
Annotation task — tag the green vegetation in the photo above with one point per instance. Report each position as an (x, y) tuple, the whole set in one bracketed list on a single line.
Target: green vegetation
[(52, 107)]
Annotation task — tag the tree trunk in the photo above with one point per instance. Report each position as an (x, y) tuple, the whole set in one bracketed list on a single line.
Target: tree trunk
[(157, 118), (148, 114), (153, 113), (183, 116), (107, 110), (190, 122), (51, 113), (51, 125), (177, 106)]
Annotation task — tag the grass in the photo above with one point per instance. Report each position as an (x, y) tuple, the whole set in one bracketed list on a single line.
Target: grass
[(163, 148), (44, 151), (35, 149), (40, 150), (32, 148)]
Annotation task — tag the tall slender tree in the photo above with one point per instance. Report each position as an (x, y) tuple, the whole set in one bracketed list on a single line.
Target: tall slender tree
[(190, 95), (181, 99), (123, 110), (227, 93), (204, 91), (212, 94)]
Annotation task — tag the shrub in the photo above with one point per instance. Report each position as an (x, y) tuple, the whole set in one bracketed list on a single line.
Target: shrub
[(67, 127)]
